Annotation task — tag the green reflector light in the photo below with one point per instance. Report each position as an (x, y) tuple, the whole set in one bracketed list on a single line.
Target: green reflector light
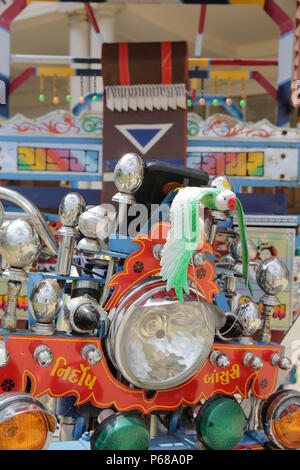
[(122, 431), (221, 423)]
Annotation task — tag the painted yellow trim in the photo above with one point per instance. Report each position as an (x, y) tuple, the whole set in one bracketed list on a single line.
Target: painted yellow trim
[(58, 71), (260, 3), (233, 74), (198, 62)]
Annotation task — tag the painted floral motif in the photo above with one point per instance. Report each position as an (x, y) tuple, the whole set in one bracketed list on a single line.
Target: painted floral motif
[(7, 385)]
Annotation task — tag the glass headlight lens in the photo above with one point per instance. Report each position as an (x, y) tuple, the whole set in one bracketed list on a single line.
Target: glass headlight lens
[(121, 431), (221, 423), (159, 343), (25, 423), (280, 416)]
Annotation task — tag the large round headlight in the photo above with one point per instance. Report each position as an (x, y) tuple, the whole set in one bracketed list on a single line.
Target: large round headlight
[(25, 423), (155, 341), (280, 416)]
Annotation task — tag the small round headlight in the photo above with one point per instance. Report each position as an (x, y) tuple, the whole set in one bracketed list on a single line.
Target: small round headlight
[(155, 341), (25, 423), (280, 416), (129, 173)]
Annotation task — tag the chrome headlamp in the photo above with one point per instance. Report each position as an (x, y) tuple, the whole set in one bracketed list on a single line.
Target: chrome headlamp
[(155, 341), (25, 422), (129, 173), (280, 416), (84, 315)]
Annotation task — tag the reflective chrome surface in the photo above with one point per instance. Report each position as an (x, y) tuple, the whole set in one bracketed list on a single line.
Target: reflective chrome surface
[(272, 276), (91, 354), (249, 316), (65, 251), (95, 314), (37, 217), (236, 249), (94, 223), (45, 300), (9, 319), (43, 355), (71, 207), (129, 173), (283, 362), (219, 359), (255, 362), (4, 355), (20, 243), (155, 341), (199, 259)]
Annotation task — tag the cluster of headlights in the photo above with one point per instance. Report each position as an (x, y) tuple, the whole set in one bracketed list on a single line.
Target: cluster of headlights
[(26, 424)]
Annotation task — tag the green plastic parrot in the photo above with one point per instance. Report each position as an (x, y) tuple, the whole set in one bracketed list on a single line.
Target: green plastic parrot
[(187, 231)]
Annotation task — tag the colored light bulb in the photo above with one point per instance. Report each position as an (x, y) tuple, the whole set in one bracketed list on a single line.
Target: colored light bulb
[(42, 97), (55, 100), (229, 101), (95, 98), (242, 103), (68, 97), (202, 101), (221, 423), (216, 102), (189, 102), (81, 99), (121, 432)]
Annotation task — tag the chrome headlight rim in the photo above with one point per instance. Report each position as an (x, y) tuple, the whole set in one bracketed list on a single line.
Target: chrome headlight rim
[(271, 409), (116, 339), (9, 399), (13, 404)]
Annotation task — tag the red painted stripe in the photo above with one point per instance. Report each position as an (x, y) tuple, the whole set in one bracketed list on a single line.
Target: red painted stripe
[(166, 63), (11, 12), (123, 64), (202, 19), (244, 62), (284, 22), (92, 18), (20, 79), (265, 84)]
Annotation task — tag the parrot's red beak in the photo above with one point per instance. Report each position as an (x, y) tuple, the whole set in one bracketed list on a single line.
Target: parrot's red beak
[(231, 203)]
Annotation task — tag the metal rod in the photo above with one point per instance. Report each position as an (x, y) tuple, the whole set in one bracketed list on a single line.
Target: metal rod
[(37, 217), (192, 61), (52, 59)]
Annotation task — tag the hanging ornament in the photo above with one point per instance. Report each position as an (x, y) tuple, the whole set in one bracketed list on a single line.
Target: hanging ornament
[(95, 97), (229, 100), (82, 98), (216, 101), (68, 95), (202, 99), (194, 90), (42, 94), (55, 99), (243, 100)]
